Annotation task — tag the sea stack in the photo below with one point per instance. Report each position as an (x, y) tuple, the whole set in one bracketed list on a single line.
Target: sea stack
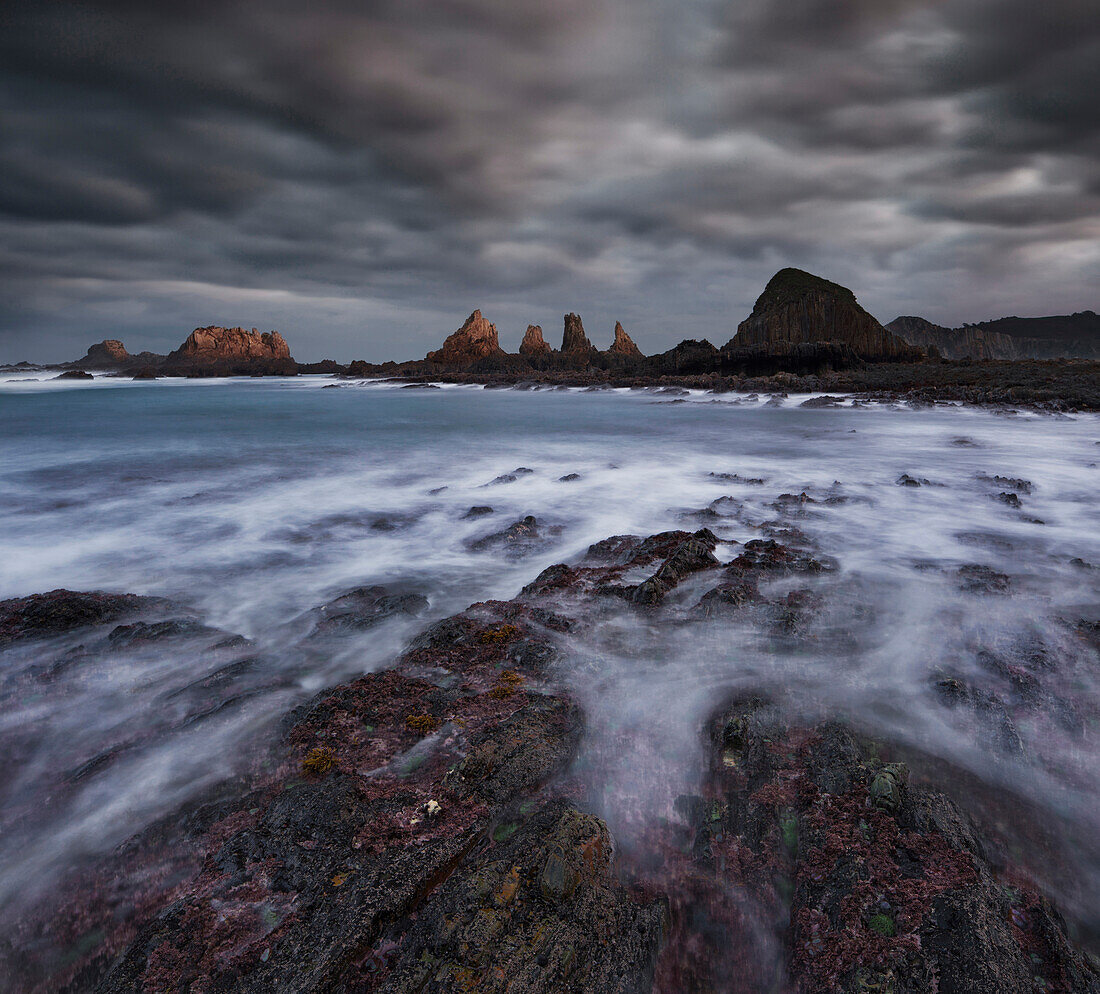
[(533, 343), (216, 344), (107, 354), (476, 339), (574, 341), (798, 307), (624, 344)]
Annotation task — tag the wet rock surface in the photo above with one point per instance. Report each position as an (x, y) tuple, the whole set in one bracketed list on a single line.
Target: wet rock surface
[(425, 827), (365, 607), (62, 611)]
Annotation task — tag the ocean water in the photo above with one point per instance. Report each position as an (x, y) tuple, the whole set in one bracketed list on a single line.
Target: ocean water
[(251, 502)]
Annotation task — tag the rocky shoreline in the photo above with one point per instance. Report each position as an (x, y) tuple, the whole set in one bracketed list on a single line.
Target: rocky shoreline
[(1053, 386), (805, 334), (424, 828)]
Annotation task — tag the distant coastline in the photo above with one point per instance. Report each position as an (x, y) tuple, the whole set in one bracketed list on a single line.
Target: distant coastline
[(805, 334)]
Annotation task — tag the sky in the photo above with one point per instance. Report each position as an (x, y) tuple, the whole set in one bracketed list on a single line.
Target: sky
[(362, 174)]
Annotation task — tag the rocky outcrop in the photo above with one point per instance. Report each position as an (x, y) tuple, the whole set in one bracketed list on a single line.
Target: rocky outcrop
[(1069, 336), (59, 611), (476, 339), (216, 344), (108, 354), (798, 307), (574, 341), (624, 344), (218, 351), (971, 342), (533, 343), (690, 357), (427, 827)]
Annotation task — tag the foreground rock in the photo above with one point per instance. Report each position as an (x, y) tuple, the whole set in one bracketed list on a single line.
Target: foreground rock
[(420, 829), (876, 883), (61, 611)]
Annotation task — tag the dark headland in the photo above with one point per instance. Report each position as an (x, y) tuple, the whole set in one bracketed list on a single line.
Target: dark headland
[(804, 334)]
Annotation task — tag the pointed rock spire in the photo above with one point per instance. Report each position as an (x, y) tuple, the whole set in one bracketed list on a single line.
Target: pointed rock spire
[(533, 343), (476, 339), (574, 339), (624, 344)]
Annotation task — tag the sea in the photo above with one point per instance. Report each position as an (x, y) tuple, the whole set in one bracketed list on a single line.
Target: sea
[(250, 502)]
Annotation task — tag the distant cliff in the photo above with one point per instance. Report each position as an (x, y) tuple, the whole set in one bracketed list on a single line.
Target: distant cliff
[(798, 307), (955, 343), (1065, 336)]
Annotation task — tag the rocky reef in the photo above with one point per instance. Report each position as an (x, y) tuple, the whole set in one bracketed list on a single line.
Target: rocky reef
[(798, 307), (426, 826)]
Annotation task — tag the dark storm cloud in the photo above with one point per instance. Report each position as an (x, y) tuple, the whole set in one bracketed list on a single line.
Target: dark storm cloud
[(363, 174)]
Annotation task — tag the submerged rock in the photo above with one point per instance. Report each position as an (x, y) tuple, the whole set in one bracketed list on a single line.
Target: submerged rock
[(59, 611), (365, 607)]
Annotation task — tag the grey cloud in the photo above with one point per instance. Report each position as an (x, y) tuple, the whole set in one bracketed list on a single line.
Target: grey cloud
[(366, 171)]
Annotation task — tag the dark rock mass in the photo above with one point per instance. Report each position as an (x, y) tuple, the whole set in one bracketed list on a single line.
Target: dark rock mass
[(108, 354), (1065, 336), (798, 307), (427, 827), (533, 343), (954, 343), (574, 341), (624, 344)]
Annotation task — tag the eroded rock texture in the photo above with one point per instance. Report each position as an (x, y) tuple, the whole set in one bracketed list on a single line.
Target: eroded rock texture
[(799, 307)]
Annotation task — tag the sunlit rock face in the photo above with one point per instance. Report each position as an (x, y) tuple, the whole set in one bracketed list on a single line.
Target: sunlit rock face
[(108, 353), (800, 307), (624, 344), (574, 341), (533, 343), (232, 343), (476, 339)]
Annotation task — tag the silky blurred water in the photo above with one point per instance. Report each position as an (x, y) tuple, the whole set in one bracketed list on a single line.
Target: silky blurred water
[(252, 501)]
